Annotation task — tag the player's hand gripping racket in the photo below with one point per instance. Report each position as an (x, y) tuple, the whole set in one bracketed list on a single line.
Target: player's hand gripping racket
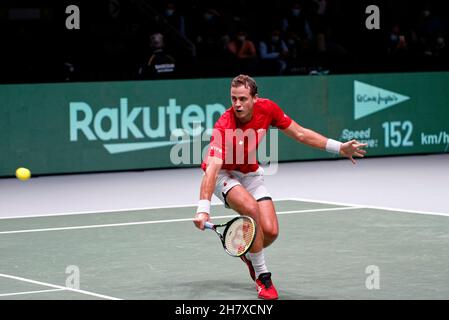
[(238, 235)]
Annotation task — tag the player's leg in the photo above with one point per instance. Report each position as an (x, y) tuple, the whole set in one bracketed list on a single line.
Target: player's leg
[(255, 184), (226, 181), (244, 203), (229, 190), (268, 220)]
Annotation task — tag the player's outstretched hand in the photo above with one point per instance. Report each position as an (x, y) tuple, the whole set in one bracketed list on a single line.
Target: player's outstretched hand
[(200, 219), (353, 148)]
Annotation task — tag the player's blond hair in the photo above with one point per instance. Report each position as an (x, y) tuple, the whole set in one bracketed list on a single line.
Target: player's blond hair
[(247, 82)]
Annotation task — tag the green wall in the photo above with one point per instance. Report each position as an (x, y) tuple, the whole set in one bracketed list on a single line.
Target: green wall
[(86, 127)]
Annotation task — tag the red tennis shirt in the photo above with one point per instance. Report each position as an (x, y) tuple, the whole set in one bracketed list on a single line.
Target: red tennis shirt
[(236, 143)]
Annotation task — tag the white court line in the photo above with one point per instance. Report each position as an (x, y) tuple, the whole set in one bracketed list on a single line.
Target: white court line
[(108, 211), (28, 292), (58, 287), (372, 207), (215, 203), (157, 221)]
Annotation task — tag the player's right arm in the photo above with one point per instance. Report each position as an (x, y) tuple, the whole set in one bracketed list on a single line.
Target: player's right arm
[(214, 165)]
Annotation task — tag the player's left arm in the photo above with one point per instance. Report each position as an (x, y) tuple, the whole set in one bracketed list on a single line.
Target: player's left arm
[(311, 138)]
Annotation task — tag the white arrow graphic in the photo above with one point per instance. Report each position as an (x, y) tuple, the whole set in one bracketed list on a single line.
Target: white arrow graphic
[(369, 99)]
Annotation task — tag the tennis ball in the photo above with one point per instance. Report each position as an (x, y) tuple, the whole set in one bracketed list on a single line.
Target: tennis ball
[(23, 174)]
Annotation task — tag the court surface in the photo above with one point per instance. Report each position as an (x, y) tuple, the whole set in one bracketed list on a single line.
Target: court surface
[(324, 251)]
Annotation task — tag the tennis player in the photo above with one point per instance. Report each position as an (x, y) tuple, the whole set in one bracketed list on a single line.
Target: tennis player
[(240, 184)]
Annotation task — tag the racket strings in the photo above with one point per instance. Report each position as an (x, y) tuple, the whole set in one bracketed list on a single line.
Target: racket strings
[(239, 236)]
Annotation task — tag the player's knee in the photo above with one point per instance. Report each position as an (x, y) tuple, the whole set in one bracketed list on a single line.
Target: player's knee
[(252, 209), (271, 232)]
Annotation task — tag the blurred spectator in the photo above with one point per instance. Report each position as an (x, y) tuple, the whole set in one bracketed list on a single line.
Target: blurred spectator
[(160, 64), (293, 43), (310, 35), (295, 57), (330, 44), (321, 7), (174, 18), (209, 33), (428, 23), (440, 47), (114, 8), (243, 52), (274, 52), (68, 71), (296, 22), (319, 20), (320, 24), (241, 47), (427, 28), (397, 43)]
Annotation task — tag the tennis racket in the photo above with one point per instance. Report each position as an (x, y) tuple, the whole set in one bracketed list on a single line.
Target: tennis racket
[(238, 235)]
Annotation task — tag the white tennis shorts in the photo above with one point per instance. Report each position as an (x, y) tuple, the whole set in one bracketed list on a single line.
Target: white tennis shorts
[(253, 182)]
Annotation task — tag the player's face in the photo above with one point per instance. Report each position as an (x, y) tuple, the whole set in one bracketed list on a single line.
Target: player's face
[(242, 103)]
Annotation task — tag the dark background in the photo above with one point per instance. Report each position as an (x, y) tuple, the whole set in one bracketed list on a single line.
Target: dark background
[(113, 42)]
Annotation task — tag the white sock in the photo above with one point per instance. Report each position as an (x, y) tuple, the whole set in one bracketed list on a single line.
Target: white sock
[(258, 261)]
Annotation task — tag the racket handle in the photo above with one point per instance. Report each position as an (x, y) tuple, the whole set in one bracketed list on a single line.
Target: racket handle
[(208, 225)]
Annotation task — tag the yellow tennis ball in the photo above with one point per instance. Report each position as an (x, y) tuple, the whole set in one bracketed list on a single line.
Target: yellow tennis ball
[(23, 174)]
